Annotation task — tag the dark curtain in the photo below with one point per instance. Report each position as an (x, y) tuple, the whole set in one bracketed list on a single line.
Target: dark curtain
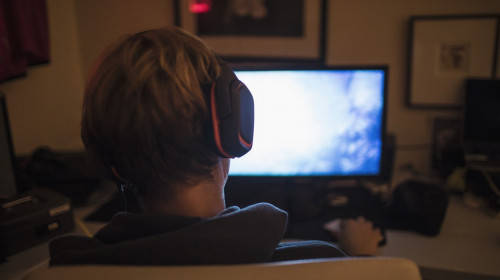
[(24, 36)]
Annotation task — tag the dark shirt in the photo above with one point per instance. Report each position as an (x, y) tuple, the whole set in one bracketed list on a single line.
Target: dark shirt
[(235, 236)]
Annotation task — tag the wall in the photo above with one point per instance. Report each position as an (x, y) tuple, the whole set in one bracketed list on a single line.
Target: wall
[(101, 22), (45, 106)]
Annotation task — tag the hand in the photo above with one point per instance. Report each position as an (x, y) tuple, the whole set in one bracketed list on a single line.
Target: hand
[(355, 237)]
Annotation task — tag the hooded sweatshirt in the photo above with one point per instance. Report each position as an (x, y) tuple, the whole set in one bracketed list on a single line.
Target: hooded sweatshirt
[(235, 236)]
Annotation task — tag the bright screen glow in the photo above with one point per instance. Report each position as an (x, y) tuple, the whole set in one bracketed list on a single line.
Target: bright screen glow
[(314, 123)]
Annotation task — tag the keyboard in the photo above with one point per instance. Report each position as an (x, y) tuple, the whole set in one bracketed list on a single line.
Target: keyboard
[(352, 202)]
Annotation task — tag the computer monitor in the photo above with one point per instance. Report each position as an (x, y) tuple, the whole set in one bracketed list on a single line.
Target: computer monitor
[(482, 120), (8, 185), (315, 122)]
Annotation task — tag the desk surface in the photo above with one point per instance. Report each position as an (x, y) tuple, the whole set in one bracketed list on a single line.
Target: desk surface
[(469, 243)]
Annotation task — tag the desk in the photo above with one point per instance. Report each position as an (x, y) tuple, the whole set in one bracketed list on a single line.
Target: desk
[(468, 246)]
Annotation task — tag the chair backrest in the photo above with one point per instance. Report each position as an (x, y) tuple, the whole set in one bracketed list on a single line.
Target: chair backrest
[(352, 268)]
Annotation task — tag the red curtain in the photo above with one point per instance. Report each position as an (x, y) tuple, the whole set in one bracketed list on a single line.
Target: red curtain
[(24, 36)]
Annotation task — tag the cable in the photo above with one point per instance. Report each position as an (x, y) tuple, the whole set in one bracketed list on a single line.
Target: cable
[(82, 226), (123, 189)]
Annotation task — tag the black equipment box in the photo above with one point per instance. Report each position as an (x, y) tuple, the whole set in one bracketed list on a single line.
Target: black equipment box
[(32, 218)]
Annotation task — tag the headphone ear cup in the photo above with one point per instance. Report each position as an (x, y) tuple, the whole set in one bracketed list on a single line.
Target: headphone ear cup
[(232, 114)]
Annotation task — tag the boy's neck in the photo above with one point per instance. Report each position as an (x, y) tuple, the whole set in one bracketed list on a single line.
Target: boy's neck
[(203, 200)]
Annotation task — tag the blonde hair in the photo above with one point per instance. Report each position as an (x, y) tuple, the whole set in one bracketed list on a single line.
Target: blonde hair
[(145, 111)]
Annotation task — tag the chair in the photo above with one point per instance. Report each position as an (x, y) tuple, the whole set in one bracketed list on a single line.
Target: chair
[(353, 268)]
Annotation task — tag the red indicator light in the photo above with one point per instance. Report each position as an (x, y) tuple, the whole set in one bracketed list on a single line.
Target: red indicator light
[(200, 6)]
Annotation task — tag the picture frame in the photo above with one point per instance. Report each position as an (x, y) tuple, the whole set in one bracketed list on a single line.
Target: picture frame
[(446, 50), (279, 31)]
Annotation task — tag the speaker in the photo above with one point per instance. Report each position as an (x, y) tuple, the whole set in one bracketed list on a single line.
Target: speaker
[(232, 114)]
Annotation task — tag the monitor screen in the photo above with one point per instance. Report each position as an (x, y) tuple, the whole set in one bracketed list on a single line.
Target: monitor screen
[(481, 121), (322, 122)]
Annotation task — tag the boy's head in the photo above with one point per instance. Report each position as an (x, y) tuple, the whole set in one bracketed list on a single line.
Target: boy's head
[(145, 112)]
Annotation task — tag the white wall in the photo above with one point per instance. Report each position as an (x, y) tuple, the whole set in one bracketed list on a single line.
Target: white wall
[(101, 22), (45, 106)]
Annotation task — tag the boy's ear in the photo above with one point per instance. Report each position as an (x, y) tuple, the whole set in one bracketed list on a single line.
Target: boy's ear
[(117, 175)]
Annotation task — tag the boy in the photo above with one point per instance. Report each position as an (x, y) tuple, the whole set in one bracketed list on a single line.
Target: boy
[(146, 123)]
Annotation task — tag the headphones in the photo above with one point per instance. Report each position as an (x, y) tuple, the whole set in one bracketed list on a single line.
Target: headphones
[(230, 131), (231, 113)]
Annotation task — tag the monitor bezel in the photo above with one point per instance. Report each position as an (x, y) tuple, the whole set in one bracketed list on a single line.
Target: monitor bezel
[(10, 144)]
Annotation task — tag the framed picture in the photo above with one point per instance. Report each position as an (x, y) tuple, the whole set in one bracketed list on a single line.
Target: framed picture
[(255, 30), (444, 51)]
